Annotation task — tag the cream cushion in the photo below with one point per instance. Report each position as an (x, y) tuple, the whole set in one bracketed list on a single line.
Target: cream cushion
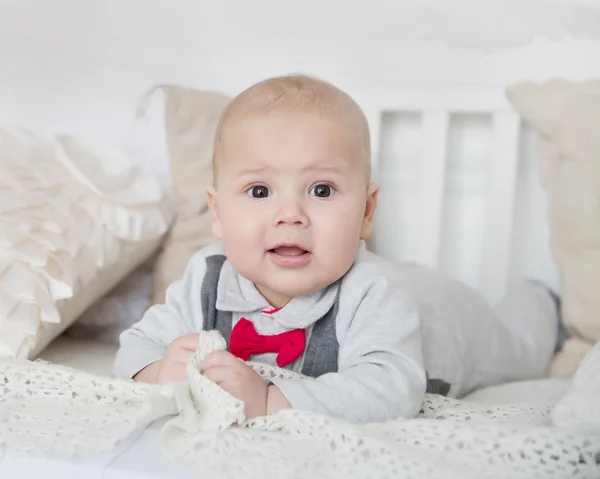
[(191, 118), (75, 218), (566, 116)]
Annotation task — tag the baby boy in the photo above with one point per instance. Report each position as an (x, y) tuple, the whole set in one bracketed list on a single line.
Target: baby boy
[(291, 283)]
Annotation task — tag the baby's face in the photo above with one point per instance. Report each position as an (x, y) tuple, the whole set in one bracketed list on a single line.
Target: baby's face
[(291, 202)]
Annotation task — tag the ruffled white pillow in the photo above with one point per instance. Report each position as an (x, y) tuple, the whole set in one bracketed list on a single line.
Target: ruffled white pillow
[(76, 216)]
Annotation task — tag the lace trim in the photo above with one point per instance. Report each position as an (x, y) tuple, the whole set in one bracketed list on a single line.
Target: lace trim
[(57, 411)]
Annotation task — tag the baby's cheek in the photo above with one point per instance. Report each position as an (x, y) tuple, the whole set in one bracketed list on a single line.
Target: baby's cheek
[(244, 241), (341, 247), (239, 223), (343, 227)]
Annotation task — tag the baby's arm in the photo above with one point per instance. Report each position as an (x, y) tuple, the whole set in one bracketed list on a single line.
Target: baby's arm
[(380, 367), (276, 401), (166, 331)]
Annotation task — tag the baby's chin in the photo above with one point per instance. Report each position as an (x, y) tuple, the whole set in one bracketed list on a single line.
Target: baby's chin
[(290, 289)]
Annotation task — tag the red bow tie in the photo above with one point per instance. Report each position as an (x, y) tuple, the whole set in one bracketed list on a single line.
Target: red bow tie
[(244, 341)]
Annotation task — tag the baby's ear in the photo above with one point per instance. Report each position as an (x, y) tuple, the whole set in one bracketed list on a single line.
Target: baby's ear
[(211, 198), (370, 207)]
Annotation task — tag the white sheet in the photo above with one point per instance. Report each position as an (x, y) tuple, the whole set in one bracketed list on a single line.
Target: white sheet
[(141, 458), (90, 356)]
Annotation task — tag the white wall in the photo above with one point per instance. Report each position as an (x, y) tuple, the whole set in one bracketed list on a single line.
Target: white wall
[(80, 65)]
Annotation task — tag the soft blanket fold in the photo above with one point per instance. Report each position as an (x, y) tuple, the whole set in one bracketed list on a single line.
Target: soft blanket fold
[(57, 411)]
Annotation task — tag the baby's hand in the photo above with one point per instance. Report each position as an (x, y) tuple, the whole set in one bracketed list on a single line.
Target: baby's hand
[(172, 366), (239, 380)]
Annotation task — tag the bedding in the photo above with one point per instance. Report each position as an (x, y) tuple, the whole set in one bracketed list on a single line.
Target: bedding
[(123, 306), (76, 217), (449, 439), (566, 116), (87, 355), (574, 410), (190, 118)]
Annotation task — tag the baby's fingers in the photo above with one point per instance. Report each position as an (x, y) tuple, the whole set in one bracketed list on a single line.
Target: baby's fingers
[(188, 342), (180, 355), (220, 358), (219, 374)]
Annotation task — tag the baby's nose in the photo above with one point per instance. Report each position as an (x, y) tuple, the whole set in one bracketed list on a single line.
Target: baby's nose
[(292, 213)]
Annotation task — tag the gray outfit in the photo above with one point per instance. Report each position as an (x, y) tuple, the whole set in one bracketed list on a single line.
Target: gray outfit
[(363, 335)]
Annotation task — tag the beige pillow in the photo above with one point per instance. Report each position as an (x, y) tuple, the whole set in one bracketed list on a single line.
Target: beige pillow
[(191, 119), (567, 118), (76, 216)]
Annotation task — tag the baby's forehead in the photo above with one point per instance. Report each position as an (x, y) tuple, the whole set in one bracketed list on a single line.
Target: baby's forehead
[(298, 143), (289, 132), (294, 121)]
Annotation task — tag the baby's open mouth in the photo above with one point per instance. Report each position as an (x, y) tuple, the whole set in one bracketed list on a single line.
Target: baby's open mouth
[(288, 250), (289, 256)]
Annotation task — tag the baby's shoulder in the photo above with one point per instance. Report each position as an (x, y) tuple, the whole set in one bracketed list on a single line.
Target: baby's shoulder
[(369, 269), (374, 288), (372, 278)]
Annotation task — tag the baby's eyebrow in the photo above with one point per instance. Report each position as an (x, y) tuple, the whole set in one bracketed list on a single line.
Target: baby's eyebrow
[(253, 171), (321, 168), (325, 168)]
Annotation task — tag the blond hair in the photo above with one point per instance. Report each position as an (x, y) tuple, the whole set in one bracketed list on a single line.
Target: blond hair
[(299, 94)]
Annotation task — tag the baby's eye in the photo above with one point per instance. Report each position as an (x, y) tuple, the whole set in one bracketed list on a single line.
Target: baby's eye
[(322, 191), (258, 192)]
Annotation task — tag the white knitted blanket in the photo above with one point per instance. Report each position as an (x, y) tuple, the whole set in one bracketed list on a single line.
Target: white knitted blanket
[(49, 410)]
